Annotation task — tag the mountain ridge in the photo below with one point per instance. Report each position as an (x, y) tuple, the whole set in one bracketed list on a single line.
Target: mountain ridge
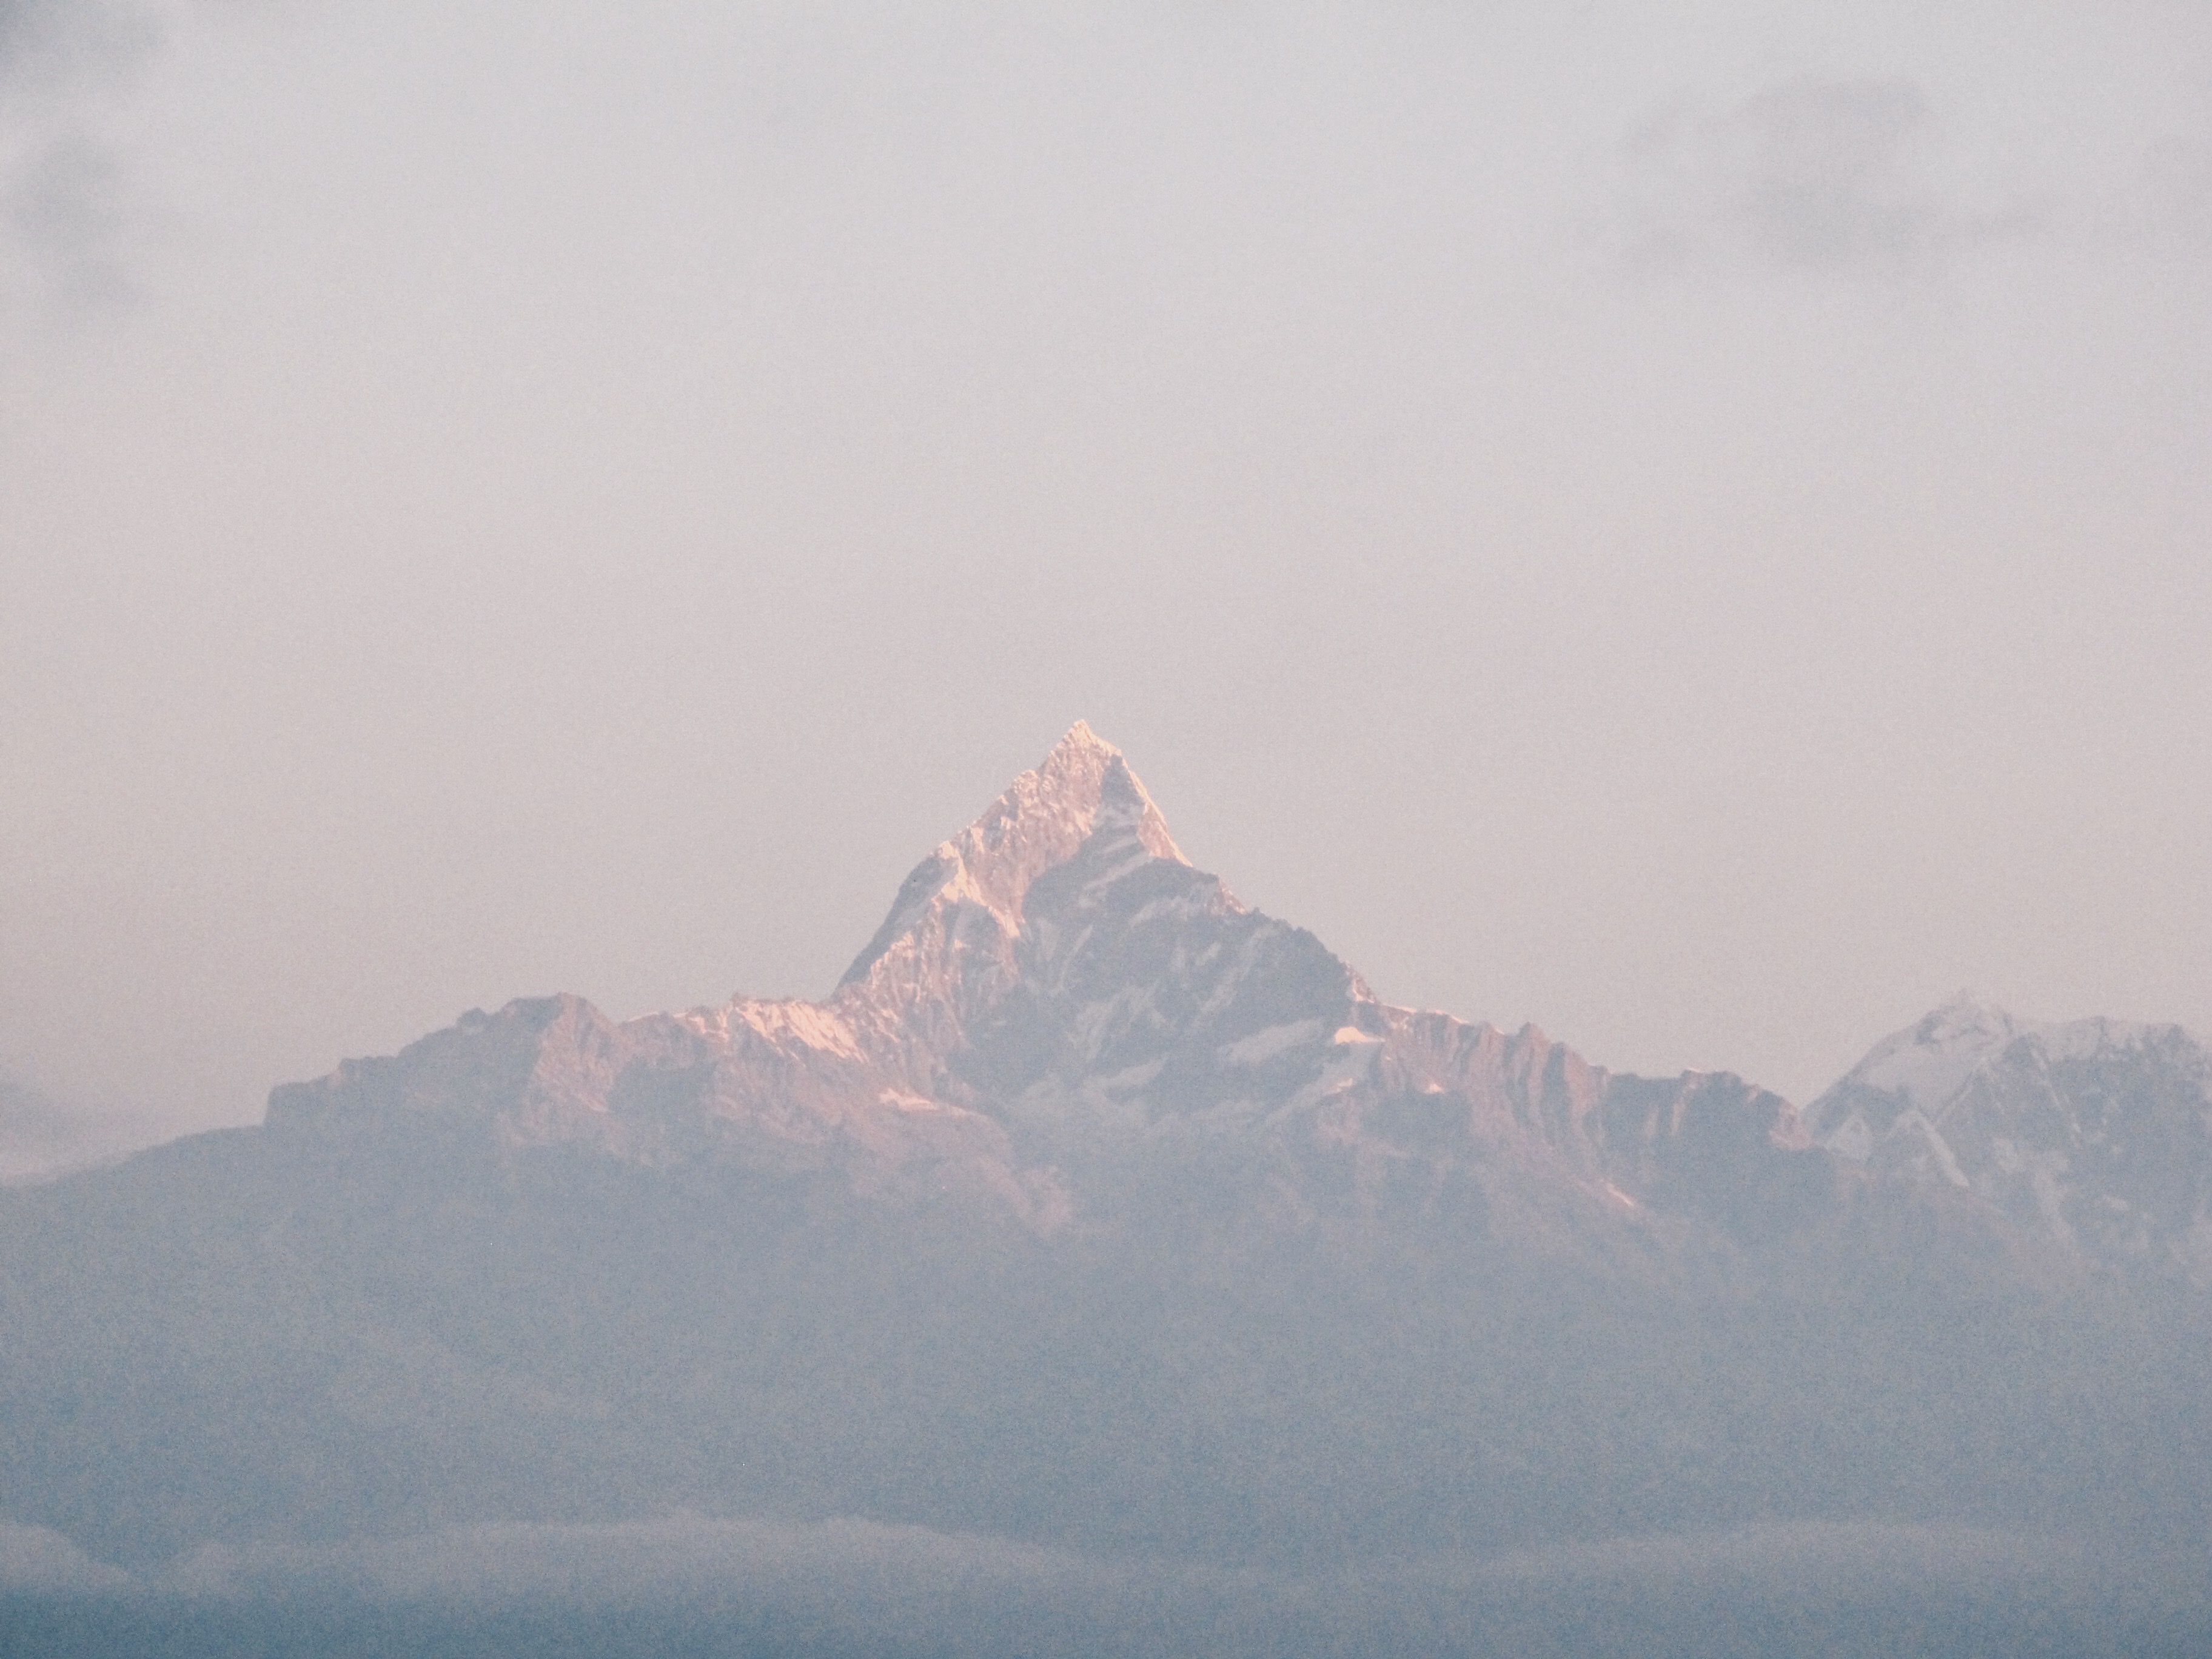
[(1095, 1208), (1055, 971)]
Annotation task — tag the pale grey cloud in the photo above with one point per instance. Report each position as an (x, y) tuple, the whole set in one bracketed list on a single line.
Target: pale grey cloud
[(39, 1561), (59, 43), (66, 207), (675, 1555), (1810, 174), (1839, 1588), (67, 210)]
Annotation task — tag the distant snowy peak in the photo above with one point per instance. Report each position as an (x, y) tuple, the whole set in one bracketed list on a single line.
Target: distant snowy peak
[(1082, 790), (1925, 1064), (1930, 1065), (2096, 1131)]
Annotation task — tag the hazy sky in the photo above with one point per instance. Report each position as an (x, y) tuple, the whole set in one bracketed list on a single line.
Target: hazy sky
[(1684, 524)]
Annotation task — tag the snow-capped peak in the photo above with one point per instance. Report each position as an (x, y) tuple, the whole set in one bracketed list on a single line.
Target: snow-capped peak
[(1928, 1062), (2095, 1128), (1083, 789), (1903, 1086)]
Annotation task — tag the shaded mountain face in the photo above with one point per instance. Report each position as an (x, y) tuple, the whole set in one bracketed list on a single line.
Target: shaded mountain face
[(2094, 1133), (1092, 1207)]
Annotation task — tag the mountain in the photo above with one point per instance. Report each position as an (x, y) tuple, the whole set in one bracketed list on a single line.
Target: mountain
[(2096, 1133), (1092, 1209), (1056, 988)]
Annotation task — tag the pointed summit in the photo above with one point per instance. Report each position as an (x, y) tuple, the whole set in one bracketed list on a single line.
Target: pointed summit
[(1083, 789), (1087, 782)]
